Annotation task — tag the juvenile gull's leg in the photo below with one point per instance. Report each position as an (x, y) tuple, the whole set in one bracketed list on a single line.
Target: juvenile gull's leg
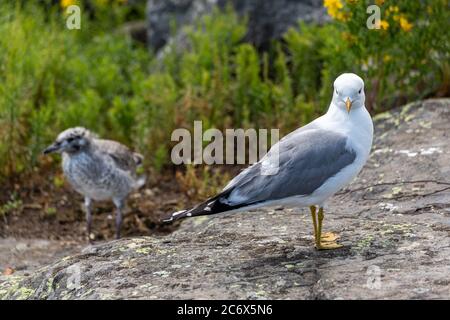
[(88, 210), (119, 205)]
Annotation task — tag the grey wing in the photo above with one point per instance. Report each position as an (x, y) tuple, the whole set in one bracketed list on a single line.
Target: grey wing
[(123, 157), (306, 159), (249, 172)]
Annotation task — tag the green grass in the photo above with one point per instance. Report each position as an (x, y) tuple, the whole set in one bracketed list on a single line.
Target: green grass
[(52, 78)]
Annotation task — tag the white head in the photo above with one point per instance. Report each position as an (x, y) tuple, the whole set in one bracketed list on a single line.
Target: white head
[(71, 141), (348, 92)]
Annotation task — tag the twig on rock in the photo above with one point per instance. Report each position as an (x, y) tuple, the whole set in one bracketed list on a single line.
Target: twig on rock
[(401, 183)]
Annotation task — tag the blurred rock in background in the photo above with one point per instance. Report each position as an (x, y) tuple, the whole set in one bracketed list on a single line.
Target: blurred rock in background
[(267, 19)]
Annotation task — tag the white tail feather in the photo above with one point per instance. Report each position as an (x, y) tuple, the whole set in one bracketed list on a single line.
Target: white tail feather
[(140, 182)]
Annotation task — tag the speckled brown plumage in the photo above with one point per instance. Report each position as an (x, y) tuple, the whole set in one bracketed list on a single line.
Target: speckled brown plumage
[(98, 169)]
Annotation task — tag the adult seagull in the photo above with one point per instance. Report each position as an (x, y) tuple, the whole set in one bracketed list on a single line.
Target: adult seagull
[(307, 166)]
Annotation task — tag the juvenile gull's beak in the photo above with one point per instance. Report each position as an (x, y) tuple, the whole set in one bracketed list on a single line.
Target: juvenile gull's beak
[(52, 148), (348, 104)]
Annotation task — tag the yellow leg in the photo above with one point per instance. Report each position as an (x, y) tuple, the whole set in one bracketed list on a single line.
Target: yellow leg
[(313, 216), (327, 240)]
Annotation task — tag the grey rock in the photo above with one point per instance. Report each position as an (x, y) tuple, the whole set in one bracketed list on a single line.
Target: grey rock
[(267, 19), (396, 237)]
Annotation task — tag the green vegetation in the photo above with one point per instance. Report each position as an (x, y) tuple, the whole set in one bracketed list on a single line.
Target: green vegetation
[(52, 78), (12, 204)]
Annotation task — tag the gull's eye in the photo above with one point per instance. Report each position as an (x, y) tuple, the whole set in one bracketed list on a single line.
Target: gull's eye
[(360, 91), (337, 92)]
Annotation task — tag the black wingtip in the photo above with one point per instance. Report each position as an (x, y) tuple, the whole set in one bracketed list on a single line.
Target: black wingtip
[(208, 207), (174, 216), (167, 220)]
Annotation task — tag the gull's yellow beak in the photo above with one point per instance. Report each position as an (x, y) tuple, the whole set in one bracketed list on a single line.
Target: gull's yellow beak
[(348, 104)]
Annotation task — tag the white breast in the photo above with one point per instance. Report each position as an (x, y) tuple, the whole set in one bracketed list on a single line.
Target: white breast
[(357, 126), (86, 177)]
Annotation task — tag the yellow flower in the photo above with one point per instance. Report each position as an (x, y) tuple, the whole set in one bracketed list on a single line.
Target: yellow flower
[(333, 8), (383, 24), (65, 3), (393, 9), (387, 58), (405, 24), (343, 16), (333, 4)]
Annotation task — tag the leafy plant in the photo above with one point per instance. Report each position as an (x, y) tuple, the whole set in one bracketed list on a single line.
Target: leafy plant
[(201, 182), (13, 204), (406, 58), (52, 78)]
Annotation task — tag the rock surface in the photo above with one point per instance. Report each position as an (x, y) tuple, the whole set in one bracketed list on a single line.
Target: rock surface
[(267, 19), (394, 221), (22, 256)]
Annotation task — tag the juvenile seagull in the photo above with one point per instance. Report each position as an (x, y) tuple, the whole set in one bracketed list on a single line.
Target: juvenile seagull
[(311, 163), (98, 169)]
